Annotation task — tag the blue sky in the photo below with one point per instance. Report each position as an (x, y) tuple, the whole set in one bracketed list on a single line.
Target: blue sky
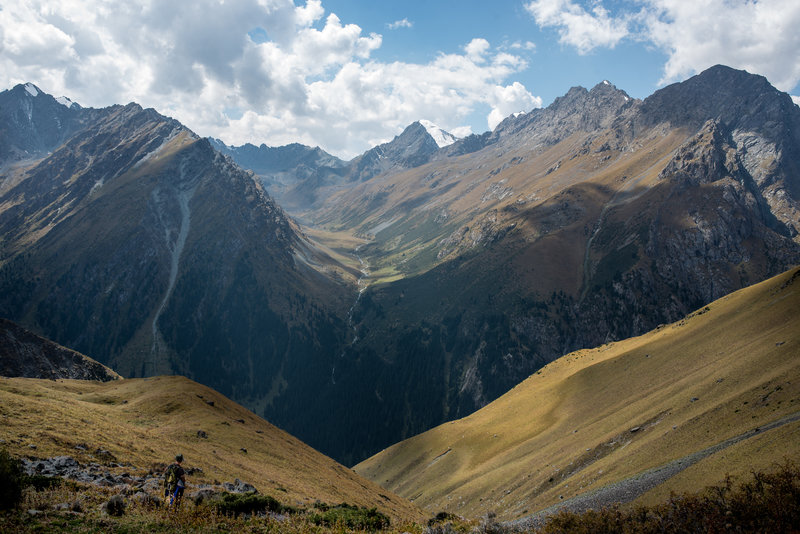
[(348, 74), (446, 26)]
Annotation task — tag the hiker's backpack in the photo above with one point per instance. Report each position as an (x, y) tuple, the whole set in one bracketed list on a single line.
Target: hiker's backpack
[(171, 476)]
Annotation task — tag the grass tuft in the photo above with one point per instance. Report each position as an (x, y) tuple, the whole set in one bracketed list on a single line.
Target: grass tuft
[(237, 504)]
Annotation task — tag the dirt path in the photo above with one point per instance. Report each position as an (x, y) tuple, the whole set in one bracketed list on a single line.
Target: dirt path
[(629, 489)]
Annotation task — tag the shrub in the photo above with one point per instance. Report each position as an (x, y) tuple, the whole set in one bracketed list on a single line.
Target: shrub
[(115, 506), (766, 503), (351, 517), (11, 481), (248, 503), (440, 518), (42, 482)]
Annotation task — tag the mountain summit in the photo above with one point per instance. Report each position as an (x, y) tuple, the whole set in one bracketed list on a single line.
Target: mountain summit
[(412, 148), (33, 122), (441, 137)]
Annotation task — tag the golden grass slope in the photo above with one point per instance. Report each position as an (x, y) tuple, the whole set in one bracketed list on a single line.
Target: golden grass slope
[(147, 421), (599, 416)]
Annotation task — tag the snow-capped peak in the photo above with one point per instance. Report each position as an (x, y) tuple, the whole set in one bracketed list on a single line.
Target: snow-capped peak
[(32, 89), (64, 101), (441, 137)]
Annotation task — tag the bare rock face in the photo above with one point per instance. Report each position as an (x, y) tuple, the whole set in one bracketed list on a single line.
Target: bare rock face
[(24, 354), (34, 122)]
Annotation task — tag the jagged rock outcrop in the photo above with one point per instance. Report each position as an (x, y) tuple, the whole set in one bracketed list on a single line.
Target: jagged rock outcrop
[(580, 110), (24, 354)]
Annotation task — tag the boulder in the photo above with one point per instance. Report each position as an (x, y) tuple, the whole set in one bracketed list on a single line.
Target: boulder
[(237, 486)]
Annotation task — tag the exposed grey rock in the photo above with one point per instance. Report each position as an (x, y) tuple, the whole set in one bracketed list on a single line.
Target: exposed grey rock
[(35, 123), (237, 486), (93, 473)]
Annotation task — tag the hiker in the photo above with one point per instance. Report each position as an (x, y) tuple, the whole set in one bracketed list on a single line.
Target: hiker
[(174, 482)]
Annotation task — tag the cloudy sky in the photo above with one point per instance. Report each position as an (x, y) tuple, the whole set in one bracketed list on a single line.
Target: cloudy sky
[(348, 74)]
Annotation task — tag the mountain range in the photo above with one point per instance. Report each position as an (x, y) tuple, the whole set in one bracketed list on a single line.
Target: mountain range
[(355, 304), (301, 177)]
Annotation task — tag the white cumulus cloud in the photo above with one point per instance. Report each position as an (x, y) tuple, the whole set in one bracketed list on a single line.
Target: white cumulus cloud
[(584, 29), (402, 23), (250, 71), (510, 99), (759, 36)]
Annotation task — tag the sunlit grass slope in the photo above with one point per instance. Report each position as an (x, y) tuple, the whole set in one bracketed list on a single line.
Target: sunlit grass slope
[(595, 417), (143, 422)]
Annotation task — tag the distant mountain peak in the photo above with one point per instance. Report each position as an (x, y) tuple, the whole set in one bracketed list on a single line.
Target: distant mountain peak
[(442, 137), (607, 88)]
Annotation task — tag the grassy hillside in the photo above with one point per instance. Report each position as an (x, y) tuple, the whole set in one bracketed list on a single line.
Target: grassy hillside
[(596, 417), (144, 422)]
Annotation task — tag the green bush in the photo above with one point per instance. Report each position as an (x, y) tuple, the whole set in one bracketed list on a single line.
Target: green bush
[(11, 481), (441, 517), (236, 504), (351, 517)]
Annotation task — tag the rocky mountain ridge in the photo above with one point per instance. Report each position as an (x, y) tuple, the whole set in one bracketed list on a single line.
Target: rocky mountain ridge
[(24, 354)]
